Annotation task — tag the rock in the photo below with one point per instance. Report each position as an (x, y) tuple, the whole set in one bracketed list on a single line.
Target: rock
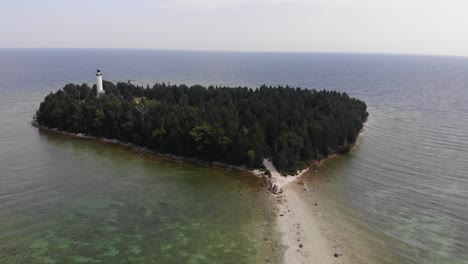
[(315, 204), (336, 255), (300, 245), (281, 215)]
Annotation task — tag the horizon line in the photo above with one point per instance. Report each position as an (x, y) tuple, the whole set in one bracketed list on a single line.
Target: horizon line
[(241, 51)]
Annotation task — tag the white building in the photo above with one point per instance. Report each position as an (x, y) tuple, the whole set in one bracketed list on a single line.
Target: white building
[(99, 88)]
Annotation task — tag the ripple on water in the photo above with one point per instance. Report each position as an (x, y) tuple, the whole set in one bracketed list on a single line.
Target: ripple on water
[(406, 180)]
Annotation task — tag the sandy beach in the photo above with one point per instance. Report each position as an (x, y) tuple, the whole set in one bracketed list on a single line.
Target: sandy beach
[(302, 234), (299, 220)]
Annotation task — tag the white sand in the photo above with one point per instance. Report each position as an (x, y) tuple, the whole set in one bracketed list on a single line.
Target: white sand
[(296, 219), (276, 176)]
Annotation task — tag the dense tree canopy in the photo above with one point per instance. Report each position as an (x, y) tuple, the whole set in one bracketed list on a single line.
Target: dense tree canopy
[(235, 125)]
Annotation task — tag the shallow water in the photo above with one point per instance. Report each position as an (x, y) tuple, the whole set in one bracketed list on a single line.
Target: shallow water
[(69, 200), (407, 203), (405, 188)]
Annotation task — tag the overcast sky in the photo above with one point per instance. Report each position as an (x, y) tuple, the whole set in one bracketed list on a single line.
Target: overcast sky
[(371, 26)]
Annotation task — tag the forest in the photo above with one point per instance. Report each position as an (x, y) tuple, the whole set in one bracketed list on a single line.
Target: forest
[(235, 125)]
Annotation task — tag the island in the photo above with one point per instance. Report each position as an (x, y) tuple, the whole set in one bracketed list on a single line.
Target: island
[(233, 125), (271, 131)]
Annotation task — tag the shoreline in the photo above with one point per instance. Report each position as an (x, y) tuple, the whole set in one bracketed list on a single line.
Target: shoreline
[(298, 221), (144, 150), (302, 233)]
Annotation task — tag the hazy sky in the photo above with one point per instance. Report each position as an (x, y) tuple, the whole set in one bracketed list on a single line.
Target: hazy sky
[(391, 26)]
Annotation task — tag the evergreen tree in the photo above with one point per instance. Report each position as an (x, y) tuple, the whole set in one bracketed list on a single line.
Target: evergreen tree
[(235, 125)]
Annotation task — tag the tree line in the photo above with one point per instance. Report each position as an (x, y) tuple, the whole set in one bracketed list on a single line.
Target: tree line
[(238, 125)]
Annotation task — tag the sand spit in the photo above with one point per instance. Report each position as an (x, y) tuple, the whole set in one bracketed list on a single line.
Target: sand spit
[(298, 221)]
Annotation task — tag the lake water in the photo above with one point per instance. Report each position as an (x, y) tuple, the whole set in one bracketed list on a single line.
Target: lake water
[(71, 200)]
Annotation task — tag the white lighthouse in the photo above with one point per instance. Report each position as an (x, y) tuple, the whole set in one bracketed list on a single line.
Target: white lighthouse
[(99, 88)]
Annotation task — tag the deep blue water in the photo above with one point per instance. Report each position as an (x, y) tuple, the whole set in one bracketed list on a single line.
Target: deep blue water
[(408, 180)]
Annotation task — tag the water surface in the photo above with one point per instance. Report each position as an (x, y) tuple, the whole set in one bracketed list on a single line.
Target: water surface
[(69, 200), (406, 187)]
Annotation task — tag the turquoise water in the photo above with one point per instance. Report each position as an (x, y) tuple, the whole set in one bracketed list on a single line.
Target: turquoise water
[(374, 192), (406, 187), (68, 200)]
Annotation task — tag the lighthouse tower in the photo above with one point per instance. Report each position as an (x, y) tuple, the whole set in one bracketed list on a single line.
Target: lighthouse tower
[(99, 88)]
